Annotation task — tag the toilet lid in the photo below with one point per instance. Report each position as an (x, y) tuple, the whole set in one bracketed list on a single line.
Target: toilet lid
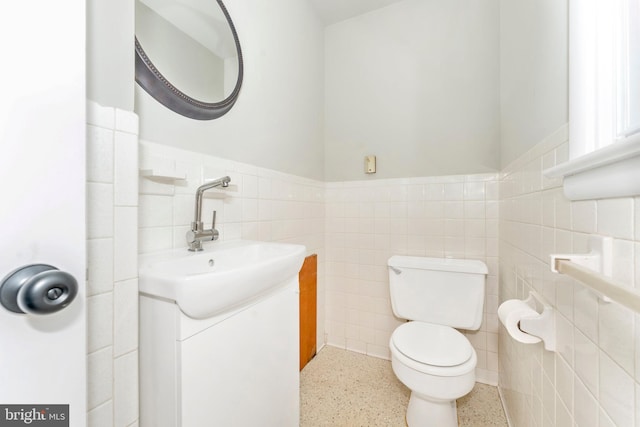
[(432, 344)]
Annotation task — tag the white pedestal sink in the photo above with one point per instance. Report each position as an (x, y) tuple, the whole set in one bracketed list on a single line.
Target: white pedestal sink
[(219, 336)]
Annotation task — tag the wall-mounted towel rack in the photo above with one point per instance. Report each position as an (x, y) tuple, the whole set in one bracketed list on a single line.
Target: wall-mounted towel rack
[(600, 283), (593, 270)]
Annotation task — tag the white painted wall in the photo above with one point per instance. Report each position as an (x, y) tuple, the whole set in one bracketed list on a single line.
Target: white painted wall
[(110, 52), (416, 84), (442, 88), (533, 73), (277, 122)]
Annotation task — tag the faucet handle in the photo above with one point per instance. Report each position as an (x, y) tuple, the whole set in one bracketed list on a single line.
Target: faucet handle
[(214, 232)]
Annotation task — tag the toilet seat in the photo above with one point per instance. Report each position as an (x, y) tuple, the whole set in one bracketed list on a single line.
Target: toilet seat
[(433, 349)]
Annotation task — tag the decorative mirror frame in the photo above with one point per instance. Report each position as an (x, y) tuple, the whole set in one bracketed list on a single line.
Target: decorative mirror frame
[(156, 85)]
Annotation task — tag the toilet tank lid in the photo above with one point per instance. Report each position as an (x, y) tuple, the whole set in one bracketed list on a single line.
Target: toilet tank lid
[(439, 264)]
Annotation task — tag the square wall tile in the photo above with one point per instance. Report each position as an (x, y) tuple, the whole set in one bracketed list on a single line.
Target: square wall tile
[(417, 192), (98, 115), (563, 414), (616, 392), (475, 210), (99, 210), (99, 322), (125, 396), (249, 209), (587, 362), (616, 334), (615, 218), (126, 121), (474, 191), (126, 169), (125, 311), (100, 377), (637, 218), (586, 312), (564, 383), (636, 270), (562, 211), (155, 211), (605, 419), (155, 239), (250, 186), (584, 216), (183, 211), (234, 232), (565, 344), (454, 191), (637, 404), (99, 266), (102, 416), (586, 406), (623, 262), (125, 243), (434, 191), (251, 230), (99, 154)]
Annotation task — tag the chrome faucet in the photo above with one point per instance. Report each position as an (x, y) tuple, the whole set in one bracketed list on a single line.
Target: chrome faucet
[(198, 234)]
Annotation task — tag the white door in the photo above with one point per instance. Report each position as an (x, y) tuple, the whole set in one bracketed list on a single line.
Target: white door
[(42, 205)]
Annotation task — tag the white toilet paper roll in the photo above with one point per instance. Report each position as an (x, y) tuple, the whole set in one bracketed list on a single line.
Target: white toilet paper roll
[(510, 312)]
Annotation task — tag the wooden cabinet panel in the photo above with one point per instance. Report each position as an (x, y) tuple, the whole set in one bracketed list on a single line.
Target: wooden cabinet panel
[(308, 309)]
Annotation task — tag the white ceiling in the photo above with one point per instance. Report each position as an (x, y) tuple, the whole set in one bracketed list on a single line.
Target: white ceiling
[(332, 11)]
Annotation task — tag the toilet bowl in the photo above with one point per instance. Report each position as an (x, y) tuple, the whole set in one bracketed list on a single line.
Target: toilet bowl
[(437, 363), (428, 355)]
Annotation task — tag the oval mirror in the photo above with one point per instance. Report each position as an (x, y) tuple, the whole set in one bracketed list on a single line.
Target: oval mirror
[(188, 56)]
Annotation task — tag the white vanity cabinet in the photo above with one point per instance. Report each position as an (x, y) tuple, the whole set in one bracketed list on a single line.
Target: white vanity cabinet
[(235, 369)]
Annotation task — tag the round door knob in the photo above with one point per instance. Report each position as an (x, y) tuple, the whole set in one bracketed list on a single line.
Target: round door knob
[(37, 289)]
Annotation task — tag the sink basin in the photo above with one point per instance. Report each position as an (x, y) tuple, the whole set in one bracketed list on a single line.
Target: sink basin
[(223, 277)]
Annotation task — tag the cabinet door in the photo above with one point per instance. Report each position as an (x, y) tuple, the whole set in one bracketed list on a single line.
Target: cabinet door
[(244, 370)]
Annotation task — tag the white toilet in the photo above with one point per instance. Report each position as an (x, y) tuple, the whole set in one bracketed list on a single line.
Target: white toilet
[(428, 355)]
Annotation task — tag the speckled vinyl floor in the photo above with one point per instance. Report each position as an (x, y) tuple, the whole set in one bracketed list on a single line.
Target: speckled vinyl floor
[(340, 388)]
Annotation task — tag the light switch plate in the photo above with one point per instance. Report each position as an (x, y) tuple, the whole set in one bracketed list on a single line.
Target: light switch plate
[(369, 164)]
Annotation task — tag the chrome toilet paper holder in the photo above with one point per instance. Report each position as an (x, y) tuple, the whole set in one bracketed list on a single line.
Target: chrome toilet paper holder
[(542, 326)]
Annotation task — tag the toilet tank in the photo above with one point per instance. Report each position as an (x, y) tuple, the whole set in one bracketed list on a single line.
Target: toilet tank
[(438, 290)]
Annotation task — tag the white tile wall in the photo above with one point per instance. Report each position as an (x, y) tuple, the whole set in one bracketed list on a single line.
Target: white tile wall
[(369, 221), (112, 216), (260, 204), (592, 380)]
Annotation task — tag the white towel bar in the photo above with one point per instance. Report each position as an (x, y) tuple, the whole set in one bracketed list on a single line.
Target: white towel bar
[(600, 283)]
